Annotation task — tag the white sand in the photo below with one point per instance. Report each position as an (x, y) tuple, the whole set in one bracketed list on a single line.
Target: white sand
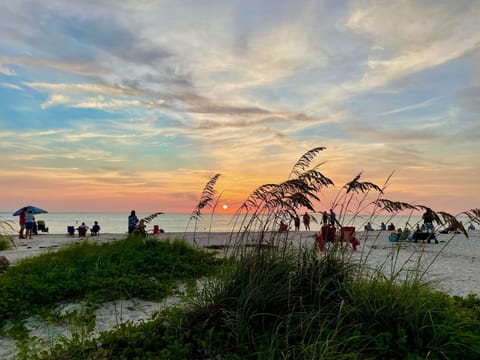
[(452, 266)]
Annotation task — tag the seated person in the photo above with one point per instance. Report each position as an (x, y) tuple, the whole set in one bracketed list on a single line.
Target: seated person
[(82, 229), (471, 227), (391, 227), (35, 228), (415, 234), (140, 229), (283, 226), (95, 229), (383, 227), (393, 237), (41, 226), (368, 227)]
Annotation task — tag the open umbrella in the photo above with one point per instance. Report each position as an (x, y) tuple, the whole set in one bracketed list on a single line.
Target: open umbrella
[(34, 209)]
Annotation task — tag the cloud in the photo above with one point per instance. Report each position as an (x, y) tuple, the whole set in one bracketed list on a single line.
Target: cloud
[(414, 39), (84, 88), (56, 99), (6, 70), (237, 88), (11, 86), (420, 105)]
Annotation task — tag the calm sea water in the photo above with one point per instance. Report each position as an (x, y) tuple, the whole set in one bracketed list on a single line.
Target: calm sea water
[(117, 222)]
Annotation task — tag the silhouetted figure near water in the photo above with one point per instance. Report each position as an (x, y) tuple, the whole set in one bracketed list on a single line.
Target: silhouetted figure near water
[(296, 220), (132, 221), (306, 221)]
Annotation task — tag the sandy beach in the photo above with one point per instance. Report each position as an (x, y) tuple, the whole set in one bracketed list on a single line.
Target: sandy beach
[(452, 266)]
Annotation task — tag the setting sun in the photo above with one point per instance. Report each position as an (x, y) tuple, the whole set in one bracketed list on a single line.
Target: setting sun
[(225, 206)]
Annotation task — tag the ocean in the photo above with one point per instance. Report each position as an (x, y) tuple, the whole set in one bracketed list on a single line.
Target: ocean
[(114, 222)]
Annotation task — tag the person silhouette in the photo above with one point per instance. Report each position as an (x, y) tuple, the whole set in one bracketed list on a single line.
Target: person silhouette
[(132, 221), (306, 221)]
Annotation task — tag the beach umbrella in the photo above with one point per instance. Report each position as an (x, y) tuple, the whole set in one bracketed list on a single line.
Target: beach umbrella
[(34, 209)]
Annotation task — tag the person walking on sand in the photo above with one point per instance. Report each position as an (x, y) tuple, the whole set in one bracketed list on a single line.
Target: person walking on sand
[(29, 219), (306, 221), (296, 220), (132, 221), (21, 222)]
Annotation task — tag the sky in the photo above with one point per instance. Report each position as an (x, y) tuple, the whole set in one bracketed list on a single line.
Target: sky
[(110, 105)]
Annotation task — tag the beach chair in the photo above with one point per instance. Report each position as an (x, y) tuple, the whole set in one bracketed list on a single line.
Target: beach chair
[(326, 235), (347, 234), (71, 230), (95, 230), (82, 231), (393, 237), (41, 226)]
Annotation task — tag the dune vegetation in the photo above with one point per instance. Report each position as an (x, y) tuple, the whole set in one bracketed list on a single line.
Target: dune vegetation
[(274, 301)]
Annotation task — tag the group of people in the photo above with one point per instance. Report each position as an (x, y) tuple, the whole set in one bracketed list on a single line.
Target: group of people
[(327, 219), (83, 228), (296, 220), (27, 225)]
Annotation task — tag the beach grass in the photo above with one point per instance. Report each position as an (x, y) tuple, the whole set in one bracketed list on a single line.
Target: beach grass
[(88, 271), (5, 242), (295, 305), (6, 228)]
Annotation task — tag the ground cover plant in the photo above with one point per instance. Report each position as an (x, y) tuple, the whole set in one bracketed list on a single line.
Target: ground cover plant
[(132, 267), (6, 228), (284, 302)]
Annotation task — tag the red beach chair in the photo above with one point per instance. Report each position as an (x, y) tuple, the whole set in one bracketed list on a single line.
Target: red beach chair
[(347, 234), (82, 232), (326, 235)]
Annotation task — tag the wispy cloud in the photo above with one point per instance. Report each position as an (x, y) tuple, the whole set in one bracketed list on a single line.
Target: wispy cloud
[(11, 86), (421, 105)]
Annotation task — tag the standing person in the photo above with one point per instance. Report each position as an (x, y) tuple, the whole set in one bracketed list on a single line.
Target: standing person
[(296, 220), (428, 220), (324, 218), (21, 222), (132, 221), (29, 219), (306, 221), (333, 218)]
